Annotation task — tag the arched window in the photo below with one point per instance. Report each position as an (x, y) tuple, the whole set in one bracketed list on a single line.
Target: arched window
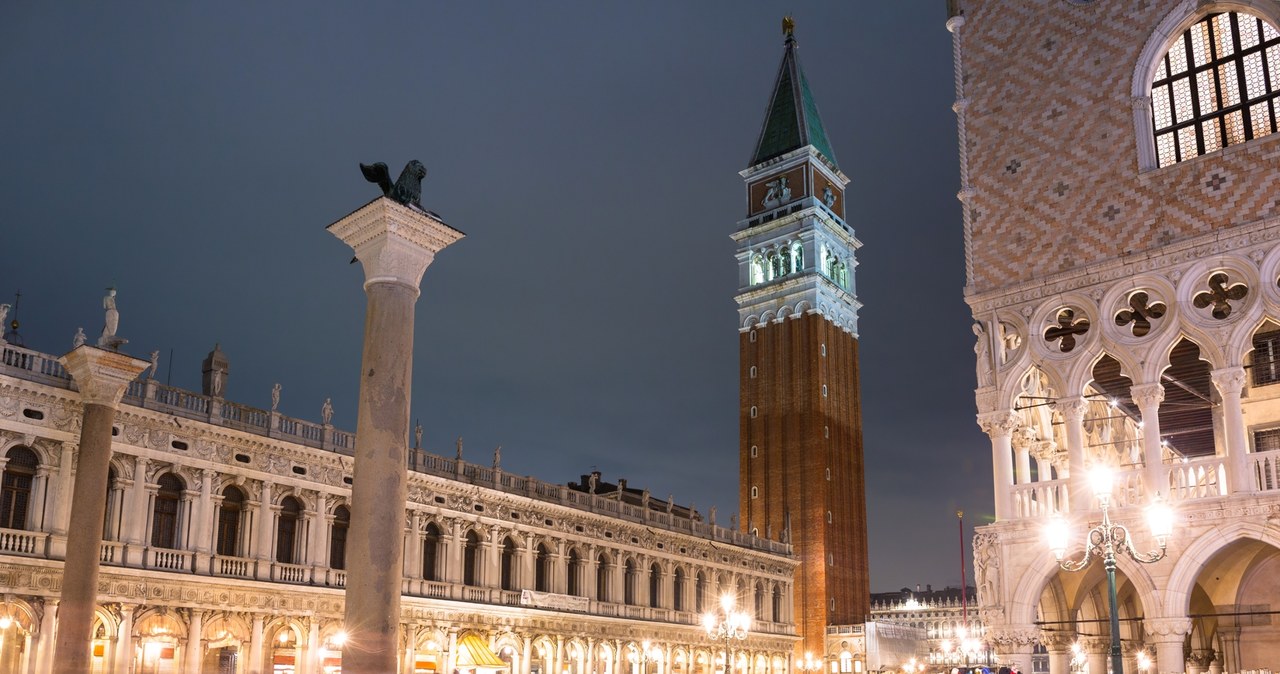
[(775, 265), (230, 517), (757, 269), (602, 577), (777, 604), (574, 573), (15, 487), (431, 553), (655, 585), (542, 569), (785, 256), (797, 257), (1218, 85), (470, 559), (629, 583), (699, 589), (678, 593), (508, 563), (755, 492), (338, 538), (287, 530), (164, 512), (759, 614)]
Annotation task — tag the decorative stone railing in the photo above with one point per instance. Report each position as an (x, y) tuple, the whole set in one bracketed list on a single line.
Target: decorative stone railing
[(169, 560), (150, 394), (1197, 478), (1265, 469), (18, 542), (1038, 499), (290, 573)]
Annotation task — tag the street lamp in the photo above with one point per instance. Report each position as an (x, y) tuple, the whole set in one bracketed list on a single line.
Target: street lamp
[(729, 626), (1105, 540), (809, 663)]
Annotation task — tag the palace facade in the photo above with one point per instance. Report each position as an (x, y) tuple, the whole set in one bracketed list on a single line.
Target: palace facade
[(1120, 180), (224, 551)]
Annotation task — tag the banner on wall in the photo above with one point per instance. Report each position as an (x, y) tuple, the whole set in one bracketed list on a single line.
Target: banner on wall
[(559, 602)]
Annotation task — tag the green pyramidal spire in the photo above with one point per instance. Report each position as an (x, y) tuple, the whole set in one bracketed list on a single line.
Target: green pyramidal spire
[(792, 120)]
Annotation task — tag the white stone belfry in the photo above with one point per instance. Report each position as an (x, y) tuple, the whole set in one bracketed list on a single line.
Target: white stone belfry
[(395, 244), (101, 377)]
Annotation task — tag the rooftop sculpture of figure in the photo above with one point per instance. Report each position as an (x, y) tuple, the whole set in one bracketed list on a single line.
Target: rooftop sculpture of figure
[(326, 411), (406, 190), (155, 364), (4, 313), (275, 397), (80, 338), (111, 321)]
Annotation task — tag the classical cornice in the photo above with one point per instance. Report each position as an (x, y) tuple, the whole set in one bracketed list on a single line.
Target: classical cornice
[(394, 242)]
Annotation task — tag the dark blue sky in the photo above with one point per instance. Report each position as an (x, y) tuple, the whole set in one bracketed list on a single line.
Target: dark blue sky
[(192, 156)]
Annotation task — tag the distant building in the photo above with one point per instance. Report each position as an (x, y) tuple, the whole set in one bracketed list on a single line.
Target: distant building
[(952, 632), (1120, 180), (800, 443)]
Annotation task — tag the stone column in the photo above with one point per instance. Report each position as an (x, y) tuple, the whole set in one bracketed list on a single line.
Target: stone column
[(1072, 411), (195, 643), (101, 377), (1015, 644), (314, 647), (124, 640), (254, 666), (203, 518), (1058, 643), (1230, 382), (265, 531), (136, 520), (62, 502), (395, 243), (1154, 478), (1168, 635), (44, 642), (1000, 425)]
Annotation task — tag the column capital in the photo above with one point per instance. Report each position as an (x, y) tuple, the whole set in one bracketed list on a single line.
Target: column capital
[(1014, 638), (1072, 409), (1228, 380), (394, 242), (999, 424), (1147, 395), (1057, 641), (1166, 629), (101, 376)]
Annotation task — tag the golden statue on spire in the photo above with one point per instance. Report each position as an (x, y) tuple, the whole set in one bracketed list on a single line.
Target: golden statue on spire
[(788, 26)]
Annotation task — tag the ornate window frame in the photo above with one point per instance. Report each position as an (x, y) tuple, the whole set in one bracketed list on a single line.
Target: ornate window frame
[(1177, 21)]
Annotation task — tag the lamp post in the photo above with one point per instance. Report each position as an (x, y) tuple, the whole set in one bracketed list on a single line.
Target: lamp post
[(1106, 540), (809, 663), (729, 626)]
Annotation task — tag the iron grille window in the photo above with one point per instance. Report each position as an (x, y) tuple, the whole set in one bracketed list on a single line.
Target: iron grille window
[(164, 513), (1266, 358), (1266, 441), (229, 522), (15, 488), (338, 538), (1218, 85)]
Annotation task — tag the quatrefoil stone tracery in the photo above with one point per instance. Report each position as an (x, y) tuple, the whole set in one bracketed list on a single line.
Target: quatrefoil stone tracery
[(1140, 313), (1221, 293), (1067, 329)]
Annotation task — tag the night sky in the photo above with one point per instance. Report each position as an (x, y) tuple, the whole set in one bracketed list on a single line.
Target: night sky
[(192, 156)]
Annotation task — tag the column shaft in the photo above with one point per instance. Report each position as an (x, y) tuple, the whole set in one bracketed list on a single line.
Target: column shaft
[(1000, 425), (84, 543), (380, 482), (1230, 382), (1148, 398)]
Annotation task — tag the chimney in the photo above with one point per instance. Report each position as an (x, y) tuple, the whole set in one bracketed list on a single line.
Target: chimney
[(928, 588)]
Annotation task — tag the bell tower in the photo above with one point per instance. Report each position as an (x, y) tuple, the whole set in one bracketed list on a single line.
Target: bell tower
[(800, 440)]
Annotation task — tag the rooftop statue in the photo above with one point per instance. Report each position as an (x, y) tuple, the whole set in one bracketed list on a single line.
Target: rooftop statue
[(406, 190)]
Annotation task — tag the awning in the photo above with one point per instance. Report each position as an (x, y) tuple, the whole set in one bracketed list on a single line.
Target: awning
[(472, 650)]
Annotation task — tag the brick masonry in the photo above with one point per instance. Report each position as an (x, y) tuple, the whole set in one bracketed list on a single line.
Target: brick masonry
[(1053, 158), (799, 433)]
